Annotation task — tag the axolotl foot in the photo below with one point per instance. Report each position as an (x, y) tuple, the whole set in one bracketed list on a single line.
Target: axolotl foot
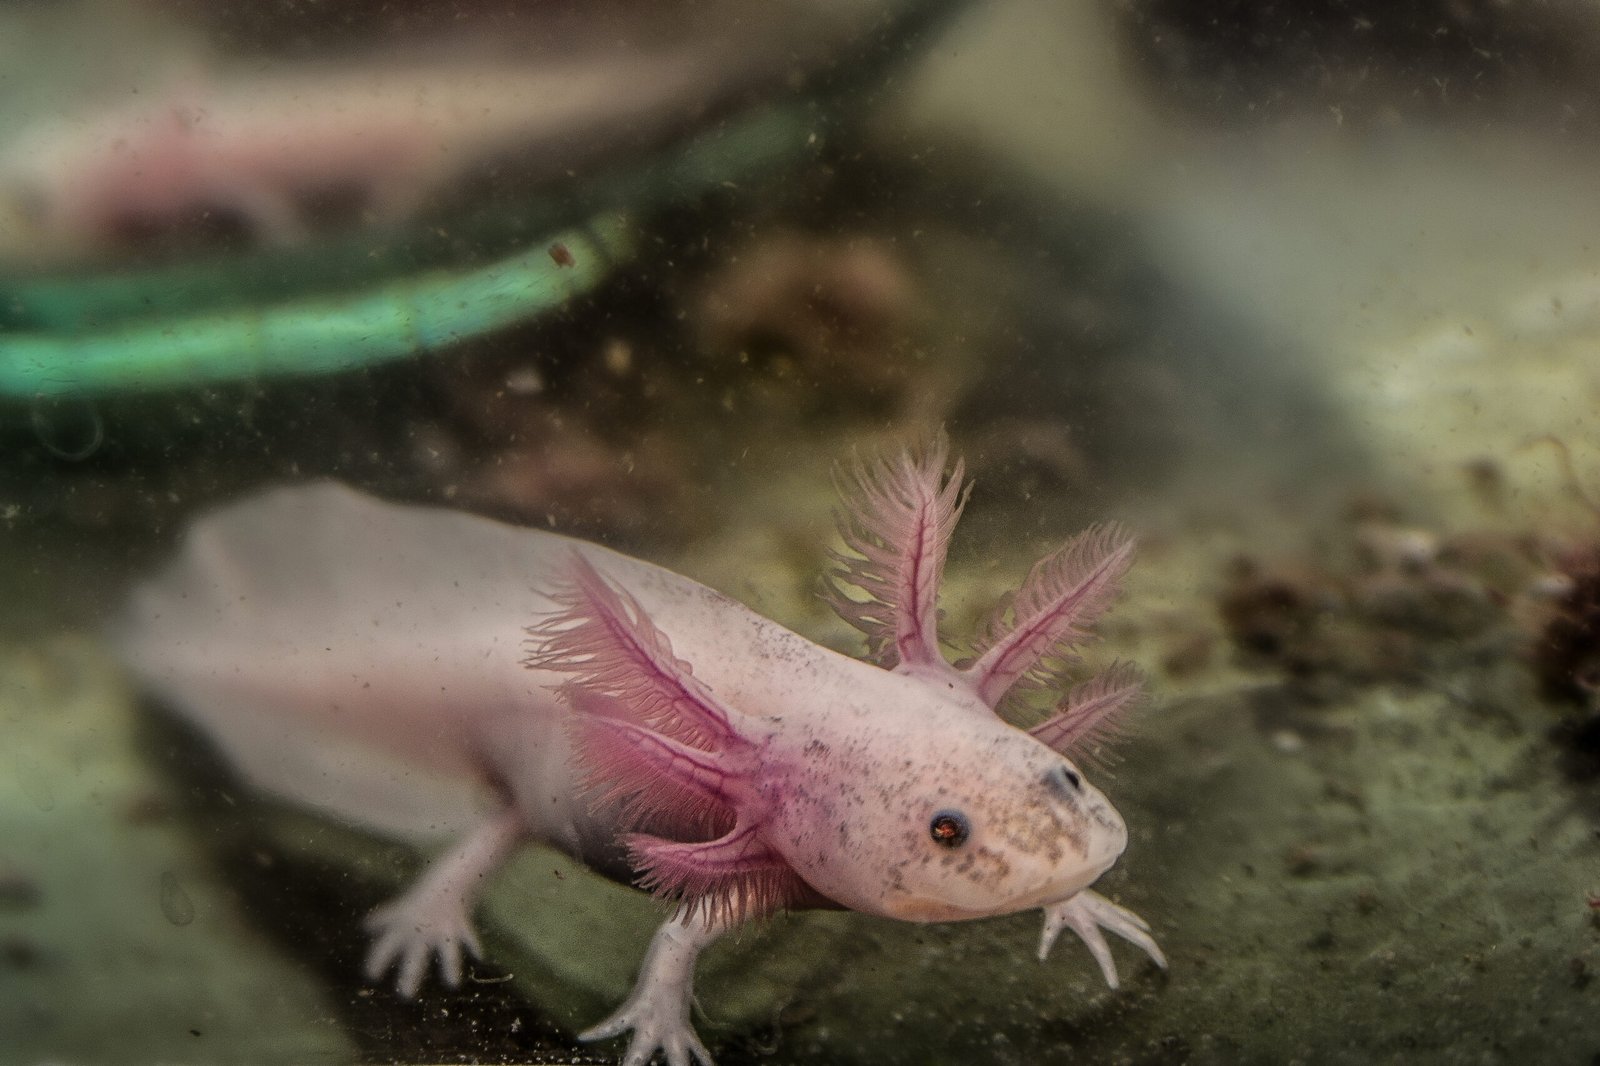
[(1086, 914), (659, 1023), (410, 931), (658, 1008)]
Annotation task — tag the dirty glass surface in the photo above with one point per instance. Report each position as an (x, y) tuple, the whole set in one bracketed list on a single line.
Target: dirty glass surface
[(1306, 297)]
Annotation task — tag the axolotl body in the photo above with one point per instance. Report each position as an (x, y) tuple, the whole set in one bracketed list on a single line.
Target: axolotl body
[(435, 675)]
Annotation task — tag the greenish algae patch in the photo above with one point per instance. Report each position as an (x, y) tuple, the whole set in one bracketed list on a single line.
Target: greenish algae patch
[(117, 942)]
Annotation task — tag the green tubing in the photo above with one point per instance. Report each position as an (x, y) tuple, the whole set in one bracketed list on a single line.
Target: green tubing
[(755, 145), (124, 335), (316, 336)]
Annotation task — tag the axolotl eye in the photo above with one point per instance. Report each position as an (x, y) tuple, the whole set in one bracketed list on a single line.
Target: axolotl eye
[(949, 829)]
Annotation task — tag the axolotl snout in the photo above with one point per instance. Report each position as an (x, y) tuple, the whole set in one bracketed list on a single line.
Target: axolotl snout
[(439, 676), (1012, 824)]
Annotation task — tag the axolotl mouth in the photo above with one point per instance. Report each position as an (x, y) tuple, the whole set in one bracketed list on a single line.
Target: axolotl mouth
[(928, 909), (1069, 903)]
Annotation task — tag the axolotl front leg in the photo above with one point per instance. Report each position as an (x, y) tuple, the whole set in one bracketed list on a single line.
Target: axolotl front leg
[(657, 1010)]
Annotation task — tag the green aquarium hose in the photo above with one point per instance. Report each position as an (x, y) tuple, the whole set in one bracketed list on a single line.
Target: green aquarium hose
[(178, 328), (420, 313)]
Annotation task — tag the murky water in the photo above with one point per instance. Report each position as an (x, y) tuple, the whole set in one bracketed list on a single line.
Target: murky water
[(1307, 300)]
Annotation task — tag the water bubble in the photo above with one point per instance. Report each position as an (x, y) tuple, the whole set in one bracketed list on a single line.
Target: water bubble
[(175, 902), (68, 427)]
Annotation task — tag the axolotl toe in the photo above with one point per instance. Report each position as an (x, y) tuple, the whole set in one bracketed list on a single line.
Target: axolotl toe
[(441, 677)]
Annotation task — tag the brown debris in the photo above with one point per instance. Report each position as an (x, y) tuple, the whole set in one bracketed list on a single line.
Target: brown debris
[(821, 321), (1385, 604), (1566, 655)]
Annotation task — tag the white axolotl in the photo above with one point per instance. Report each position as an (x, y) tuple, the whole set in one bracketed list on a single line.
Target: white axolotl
[(425, 672)]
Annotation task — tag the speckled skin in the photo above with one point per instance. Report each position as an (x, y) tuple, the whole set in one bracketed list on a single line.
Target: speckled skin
[(368, 660), (852, 788)]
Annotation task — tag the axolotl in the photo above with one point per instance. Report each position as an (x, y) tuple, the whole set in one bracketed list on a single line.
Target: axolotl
[(431, 674), (273, 151)]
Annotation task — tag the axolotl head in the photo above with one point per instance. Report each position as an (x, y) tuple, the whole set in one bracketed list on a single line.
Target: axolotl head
[(924, 806), (893, 787)]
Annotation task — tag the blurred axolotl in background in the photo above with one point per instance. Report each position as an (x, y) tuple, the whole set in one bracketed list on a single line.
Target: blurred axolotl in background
[(274, 153), (424, 672), (276, 156)]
